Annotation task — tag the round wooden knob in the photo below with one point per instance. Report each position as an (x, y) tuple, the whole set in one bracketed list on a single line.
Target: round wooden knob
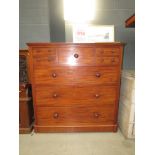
[(98, 74), (97, 95), (96, 114), (76, 55), (55, 115), (54, 75), (55, 95)]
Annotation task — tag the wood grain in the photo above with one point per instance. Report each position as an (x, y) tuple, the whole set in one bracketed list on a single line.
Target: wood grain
[(74, 95), (76, 75), (75, 115), (75, 86)]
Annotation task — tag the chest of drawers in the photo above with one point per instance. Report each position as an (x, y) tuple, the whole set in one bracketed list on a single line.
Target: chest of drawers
[(75, 86)]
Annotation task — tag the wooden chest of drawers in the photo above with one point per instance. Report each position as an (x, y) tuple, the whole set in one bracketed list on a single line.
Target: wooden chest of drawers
[(75, 86)]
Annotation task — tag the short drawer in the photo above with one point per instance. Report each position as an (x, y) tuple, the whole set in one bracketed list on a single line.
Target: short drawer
[(104, 51), (75, 95), (77, 75), (76, 56), (75, 115), (37, 52), (104, 61), (44, 57)]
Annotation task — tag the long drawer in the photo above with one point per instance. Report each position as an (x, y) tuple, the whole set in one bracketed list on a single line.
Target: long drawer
[(75, 115), (77, 75), (65, 95)]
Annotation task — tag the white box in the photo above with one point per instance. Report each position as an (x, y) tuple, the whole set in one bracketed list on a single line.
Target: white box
[(93, 33)]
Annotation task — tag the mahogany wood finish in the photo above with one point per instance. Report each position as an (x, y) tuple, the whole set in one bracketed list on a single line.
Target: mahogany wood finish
[(25, 96), (75, 95), (25, 109), (75, 86), (76, 115), (76, 75)]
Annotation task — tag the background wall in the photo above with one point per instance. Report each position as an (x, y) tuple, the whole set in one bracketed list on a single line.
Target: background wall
[(42, 21), (57, 23), (33, 22)]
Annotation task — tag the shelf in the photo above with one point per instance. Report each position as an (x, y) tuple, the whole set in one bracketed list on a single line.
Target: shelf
[(130, 22)]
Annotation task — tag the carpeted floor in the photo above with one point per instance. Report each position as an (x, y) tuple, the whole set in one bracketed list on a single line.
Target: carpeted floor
[(75, 144)]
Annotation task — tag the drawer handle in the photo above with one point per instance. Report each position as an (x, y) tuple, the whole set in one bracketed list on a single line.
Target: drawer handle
[(96, 114), (55, 95), (55, 115), (76, 55), (98, 75), (97, 95), (54, 75)]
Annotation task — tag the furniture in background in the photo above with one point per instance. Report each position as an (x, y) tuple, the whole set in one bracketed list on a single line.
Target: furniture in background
[(126, 119), (130, 22), (25, 95), (75, 86)]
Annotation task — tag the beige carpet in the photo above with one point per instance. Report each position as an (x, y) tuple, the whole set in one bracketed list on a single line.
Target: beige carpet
[(75, 144)]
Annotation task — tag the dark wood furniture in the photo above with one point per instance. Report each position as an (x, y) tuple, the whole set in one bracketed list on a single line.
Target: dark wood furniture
[(75, 86), (130, 22), (25, 95)]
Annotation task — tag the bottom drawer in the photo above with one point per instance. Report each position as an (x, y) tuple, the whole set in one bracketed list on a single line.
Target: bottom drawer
[(75, 115)]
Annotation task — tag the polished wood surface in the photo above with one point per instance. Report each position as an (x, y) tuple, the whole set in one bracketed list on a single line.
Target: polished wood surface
[(25, 95), (76, 75), (62, 96), (76, 56), (76, 115), (25, 109), (75, 86), (76, 128)]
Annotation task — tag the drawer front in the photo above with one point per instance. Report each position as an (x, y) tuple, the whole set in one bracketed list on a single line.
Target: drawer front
[(39, 52), (75, 115), (44, 57), (76, 56), (103, 51), (77, 75), (107, 60), (75, 95)]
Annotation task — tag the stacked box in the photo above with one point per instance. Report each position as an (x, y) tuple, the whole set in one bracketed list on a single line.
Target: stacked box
[(126, 116)]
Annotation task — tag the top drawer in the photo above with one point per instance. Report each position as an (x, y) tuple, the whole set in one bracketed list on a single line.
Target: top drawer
[(44, 57), (76, 56), (38, 52), (104, 51)]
